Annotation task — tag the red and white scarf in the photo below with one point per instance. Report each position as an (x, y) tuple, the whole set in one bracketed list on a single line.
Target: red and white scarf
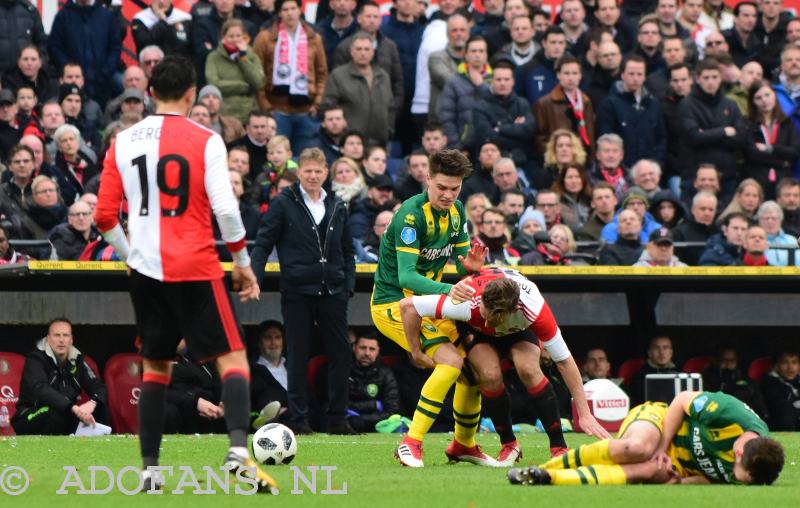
[(577, 113), (770, 133), (290, 65)]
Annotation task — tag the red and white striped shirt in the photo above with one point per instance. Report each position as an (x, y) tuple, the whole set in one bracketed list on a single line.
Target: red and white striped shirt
[(532, 311), (174, 173)]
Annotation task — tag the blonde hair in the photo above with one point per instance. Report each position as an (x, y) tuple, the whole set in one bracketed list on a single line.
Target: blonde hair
[(735, 206), (571, 245), (313, 154), (579, 154), (349, 162), (279, 142), (39, 180)]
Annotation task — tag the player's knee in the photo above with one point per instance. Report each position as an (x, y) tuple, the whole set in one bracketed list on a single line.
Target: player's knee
[(639, 450), (530, 375), (491, 379)]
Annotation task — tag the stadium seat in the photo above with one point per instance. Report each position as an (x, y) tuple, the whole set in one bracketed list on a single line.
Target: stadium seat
[(759, 367), (697, 364), (390, 361), (123, 378), (92, 364), (629, 368), (314, 365), (11, 366)]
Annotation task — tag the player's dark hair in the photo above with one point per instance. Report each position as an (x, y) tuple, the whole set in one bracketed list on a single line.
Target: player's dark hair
[(58, 319), (500, 298), (763, 458), (172, 77), (450, 162)]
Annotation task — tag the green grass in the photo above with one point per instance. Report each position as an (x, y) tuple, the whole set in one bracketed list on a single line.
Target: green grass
[(373, 477)]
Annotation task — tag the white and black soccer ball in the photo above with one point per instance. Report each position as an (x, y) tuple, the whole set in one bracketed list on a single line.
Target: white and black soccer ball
[(274, 444)]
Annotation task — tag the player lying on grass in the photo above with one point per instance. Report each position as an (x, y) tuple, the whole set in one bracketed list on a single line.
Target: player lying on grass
[(508, 315), (426, 232), (701, 437)]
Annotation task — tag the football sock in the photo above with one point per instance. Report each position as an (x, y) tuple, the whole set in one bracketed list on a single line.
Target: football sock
[(497, 406), (585, 455), (152, 409), (545, 405), (589, 475), (236, 398), (430, 400), (466, 413)]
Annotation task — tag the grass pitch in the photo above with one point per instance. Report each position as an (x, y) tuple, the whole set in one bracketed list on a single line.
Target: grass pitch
[(365, 464)]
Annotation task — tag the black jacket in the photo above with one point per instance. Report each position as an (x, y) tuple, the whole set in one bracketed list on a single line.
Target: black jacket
[(68, 242), (494, 121), (783, 402), (678, 161), (479, 181), (636, 387), (264, 388), (600, 84), (191, 381), (315, 259), (45, 383), (328, 146), (20, 25), (719, 252), (367, 387), (734, 382), (791, 222), (704, 120), (622, 253), (785, 152), (692, 231)]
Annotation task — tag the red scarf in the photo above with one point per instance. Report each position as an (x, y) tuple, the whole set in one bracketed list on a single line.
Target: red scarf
[(577, 113), (750, 261), (770, 133)]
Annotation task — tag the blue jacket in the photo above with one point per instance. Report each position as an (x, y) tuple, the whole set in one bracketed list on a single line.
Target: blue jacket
[(331, 38), (536, 78), (780, 257), (89, 35), (610, 234), (719, 252), (641, 126), (407, 37), (791, 108)]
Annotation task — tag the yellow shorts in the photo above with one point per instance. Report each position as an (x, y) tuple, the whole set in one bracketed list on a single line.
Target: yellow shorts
[(435, 332), (652, 412)]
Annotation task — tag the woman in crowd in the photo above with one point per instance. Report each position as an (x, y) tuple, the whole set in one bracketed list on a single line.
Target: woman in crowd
[(770, 217), (749, 196), (563, 148), (773, 142), (29, 72), (475, 206), (74, 164), (562, 242), (235, 69), (530, 222), (667, 209), (575, 194), (374, 164), (347, 182)]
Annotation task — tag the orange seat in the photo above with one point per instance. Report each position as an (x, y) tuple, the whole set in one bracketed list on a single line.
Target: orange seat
[(314, 364), (759, 367), (11, 367), (123, 378), (629, 369), (697, 364), (92, 364)]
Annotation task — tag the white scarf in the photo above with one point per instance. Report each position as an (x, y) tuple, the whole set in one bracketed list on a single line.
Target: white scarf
[(148, 18), (290, 63), (347, 192)]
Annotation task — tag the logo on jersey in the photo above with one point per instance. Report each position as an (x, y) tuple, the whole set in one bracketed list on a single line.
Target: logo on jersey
[(372, 390), (699, 402), (408, 235), (409, 219), (429, 327), (455, 220), (434, 254)]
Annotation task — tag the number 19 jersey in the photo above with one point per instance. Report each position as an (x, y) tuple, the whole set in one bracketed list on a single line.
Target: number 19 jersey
[(173, 173)]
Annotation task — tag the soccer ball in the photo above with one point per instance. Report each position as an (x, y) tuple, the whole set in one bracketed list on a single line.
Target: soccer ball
[(274, 444)]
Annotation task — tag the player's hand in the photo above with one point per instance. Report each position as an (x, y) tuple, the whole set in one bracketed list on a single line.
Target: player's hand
[(663, 461), (422, 360), (462, 291), (591, 427), (245, 282), (475, 258)]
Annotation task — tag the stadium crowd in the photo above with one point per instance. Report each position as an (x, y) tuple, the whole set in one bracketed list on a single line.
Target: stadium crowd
[(656, 133)]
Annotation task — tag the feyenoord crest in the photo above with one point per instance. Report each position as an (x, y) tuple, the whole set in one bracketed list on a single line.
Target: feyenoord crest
[(284, 70)]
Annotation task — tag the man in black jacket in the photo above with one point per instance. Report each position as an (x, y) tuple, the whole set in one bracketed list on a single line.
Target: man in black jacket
[(374, 395), (628, 247), (659, 361), (697, 228), (310, 230), (680, 84), (55, 374)]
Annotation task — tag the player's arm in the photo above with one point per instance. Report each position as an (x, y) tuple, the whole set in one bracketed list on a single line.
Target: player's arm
[(468, 259), (677, 410), (413, 309), (545, 327), (109, 199), (226, 209), (694, 480)]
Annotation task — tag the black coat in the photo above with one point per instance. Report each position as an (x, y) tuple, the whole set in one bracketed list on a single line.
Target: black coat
[(44, 87), (599, 84), (692, 231), (678, 160), (704, 120), (494, 121), (191, 381), (734, 382), (782, 398), (782, 158), (479, 181), (20, 25), (68, 242), (622, 253), (636, 387), (264, 388), (367, 387), (45, 383), (315, 259)]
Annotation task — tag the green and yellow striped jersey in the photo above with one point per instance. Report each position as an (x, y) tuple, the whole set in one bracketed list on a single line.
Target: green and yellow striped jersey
[(703, 444), (416, 247)]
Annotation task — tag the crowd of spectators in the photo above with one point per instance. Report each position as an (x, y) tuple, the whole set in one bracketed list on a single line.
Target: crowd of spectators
[(685, 113)]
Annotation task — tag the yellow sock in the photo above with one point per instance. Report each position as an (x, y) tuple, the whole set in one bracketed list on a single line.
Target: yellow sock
[(586, 455), (589, 475), (430, 400), (467, 413)]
